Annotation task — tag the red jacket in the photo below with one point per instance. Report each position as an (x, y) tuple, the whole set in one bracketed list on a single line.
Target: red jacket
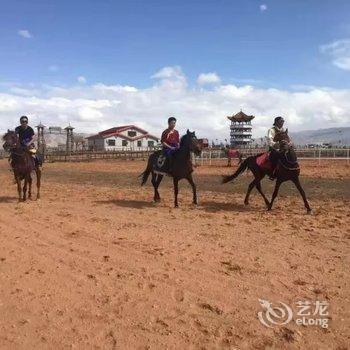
[(170, 137)]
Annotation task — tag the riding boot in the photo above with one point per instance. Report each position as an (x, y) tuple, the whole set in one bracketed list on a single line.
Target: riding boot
[(170, 163), (273, 157)]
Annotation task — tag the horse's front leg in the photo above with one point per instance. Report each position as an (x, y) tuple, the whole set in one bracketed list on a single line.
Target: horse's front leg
[(38, 182), (25, 189), (302, 192), (176, 191), (30, 181), (194, 189)]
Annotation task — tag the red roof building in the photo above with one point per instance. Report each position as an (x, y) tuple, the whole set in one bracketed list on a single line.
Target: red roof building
[(122, 137)]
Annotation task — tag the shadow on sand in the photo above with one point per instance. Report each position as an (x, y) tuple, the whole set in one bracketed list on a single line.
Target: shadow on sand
[(208, 206), (128, 203), (6, 199), (214, 207)]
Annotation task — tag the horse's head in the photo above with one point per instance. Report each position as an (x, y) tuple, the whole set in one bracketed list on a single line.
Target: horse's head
[(284, 140), (11, 140), (190, 141)]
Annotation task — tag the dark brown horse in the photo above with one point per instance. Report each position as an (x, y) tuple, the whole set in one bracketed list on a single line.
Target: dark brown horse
[(23, 165), (181, 167), (287, 170)]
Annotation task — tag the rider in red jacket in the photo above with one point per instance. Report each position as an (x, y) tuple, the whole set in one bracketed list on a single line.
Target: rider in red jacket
[(170, 138)]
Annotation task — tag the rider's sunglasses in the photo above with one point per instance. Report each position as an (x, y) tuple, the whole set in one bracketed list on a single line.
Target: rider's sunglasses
[(24, 121)]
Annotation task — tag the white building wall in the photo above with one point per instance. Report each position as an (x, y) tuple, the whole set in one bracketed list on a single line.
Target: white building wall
[(102, 144)]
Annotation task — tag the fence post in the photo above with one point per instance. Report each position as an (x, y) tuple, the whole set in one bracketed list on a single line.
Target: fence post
[(347, 156), (319, 156)]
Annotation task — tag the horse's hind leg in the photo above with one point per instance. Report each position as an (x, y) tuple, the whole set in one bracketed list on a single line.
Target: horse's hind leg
[(258, 187), (275, 192), (250, 187), (38, 182), (25, 186), (302, 192), (156, 180), (194, 189)]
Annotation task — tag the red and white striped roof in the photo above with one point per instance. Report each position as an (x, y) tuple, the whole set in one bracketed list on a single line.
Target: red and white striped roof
[(117, 132)]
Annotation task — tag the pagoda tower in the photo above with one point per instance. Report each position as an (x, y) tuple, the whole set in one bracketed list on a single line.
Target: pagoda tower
[(240, 130), (70, 139), (41, 138)]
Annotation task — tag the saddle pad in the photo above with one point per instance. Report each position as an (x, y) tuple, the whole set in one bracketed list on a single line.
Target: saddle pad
[(264, 162), (161, 164)]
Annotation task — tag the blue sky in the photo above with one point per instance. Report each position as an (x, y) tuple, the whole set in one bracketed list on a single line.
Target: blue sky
[(127, 41), (97, 64)]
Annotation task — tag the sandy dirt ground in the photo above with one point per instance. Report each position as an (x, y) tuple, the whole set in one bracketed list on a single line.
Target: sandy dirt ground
[(95, 264)]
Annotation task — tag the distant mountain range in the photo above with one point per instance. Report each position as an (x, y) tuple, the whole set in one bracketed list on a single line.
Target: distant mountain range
[(334, 136), (55, 139)]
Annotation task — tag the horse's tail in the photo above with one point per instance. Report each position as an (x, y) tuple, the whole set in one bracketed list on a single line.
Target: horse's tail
[(242, 167), (144, 176)]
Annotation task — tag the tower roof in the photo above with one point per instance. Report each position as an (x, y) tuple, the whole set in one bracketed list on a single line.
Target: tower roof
[(40, 125), (241, 117), (69, 127)]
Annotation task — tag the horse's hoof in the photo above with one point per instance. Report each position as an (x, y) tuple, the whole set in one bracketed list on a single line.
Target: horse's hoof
[(269, 208), (176, 206), (309, 211), (246, 203)]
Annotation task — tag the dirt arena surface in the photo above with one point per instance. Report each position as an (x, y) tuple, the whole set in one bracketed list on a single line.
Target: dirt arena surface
[(96, 265)]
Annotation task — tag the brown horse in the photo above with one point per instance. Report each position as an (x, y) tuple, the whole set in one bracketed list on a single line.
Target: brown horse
[(23, 165), (287, 170), (180, 169)]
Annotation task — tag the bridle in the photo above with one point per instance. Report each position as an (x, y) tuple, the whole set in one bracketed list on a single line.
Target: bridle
[(195, 145), (12, 147)]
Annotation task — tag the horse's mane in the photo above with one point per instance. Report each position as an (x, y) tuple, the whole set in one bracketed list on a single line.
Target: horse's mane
[(7, 133), (282, 136), (182, 140)]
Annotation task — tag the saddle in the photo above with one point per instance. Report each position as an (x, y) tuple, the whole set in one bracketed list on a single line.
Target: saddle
[(264, 162)]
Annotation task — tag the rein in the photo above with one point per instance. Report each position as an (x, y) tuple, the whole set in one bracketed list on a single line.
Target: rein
[(296, 165)]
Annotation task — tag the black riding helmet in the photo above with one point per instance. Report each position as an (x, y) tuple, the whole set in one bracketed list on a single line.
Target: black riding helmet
[(278, 119)]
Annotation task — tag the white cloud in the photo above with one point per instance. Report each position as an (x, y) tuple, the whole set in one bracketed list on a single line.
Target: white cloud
[(91, 108), (339, 50), (208, 78), (263, 7), (24, 33), (81, 79), (53, 68), (169, 73)]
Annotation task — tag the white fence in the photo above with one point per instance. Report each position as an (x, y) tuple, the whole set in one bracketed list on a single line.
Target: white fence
[(209, 157)]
